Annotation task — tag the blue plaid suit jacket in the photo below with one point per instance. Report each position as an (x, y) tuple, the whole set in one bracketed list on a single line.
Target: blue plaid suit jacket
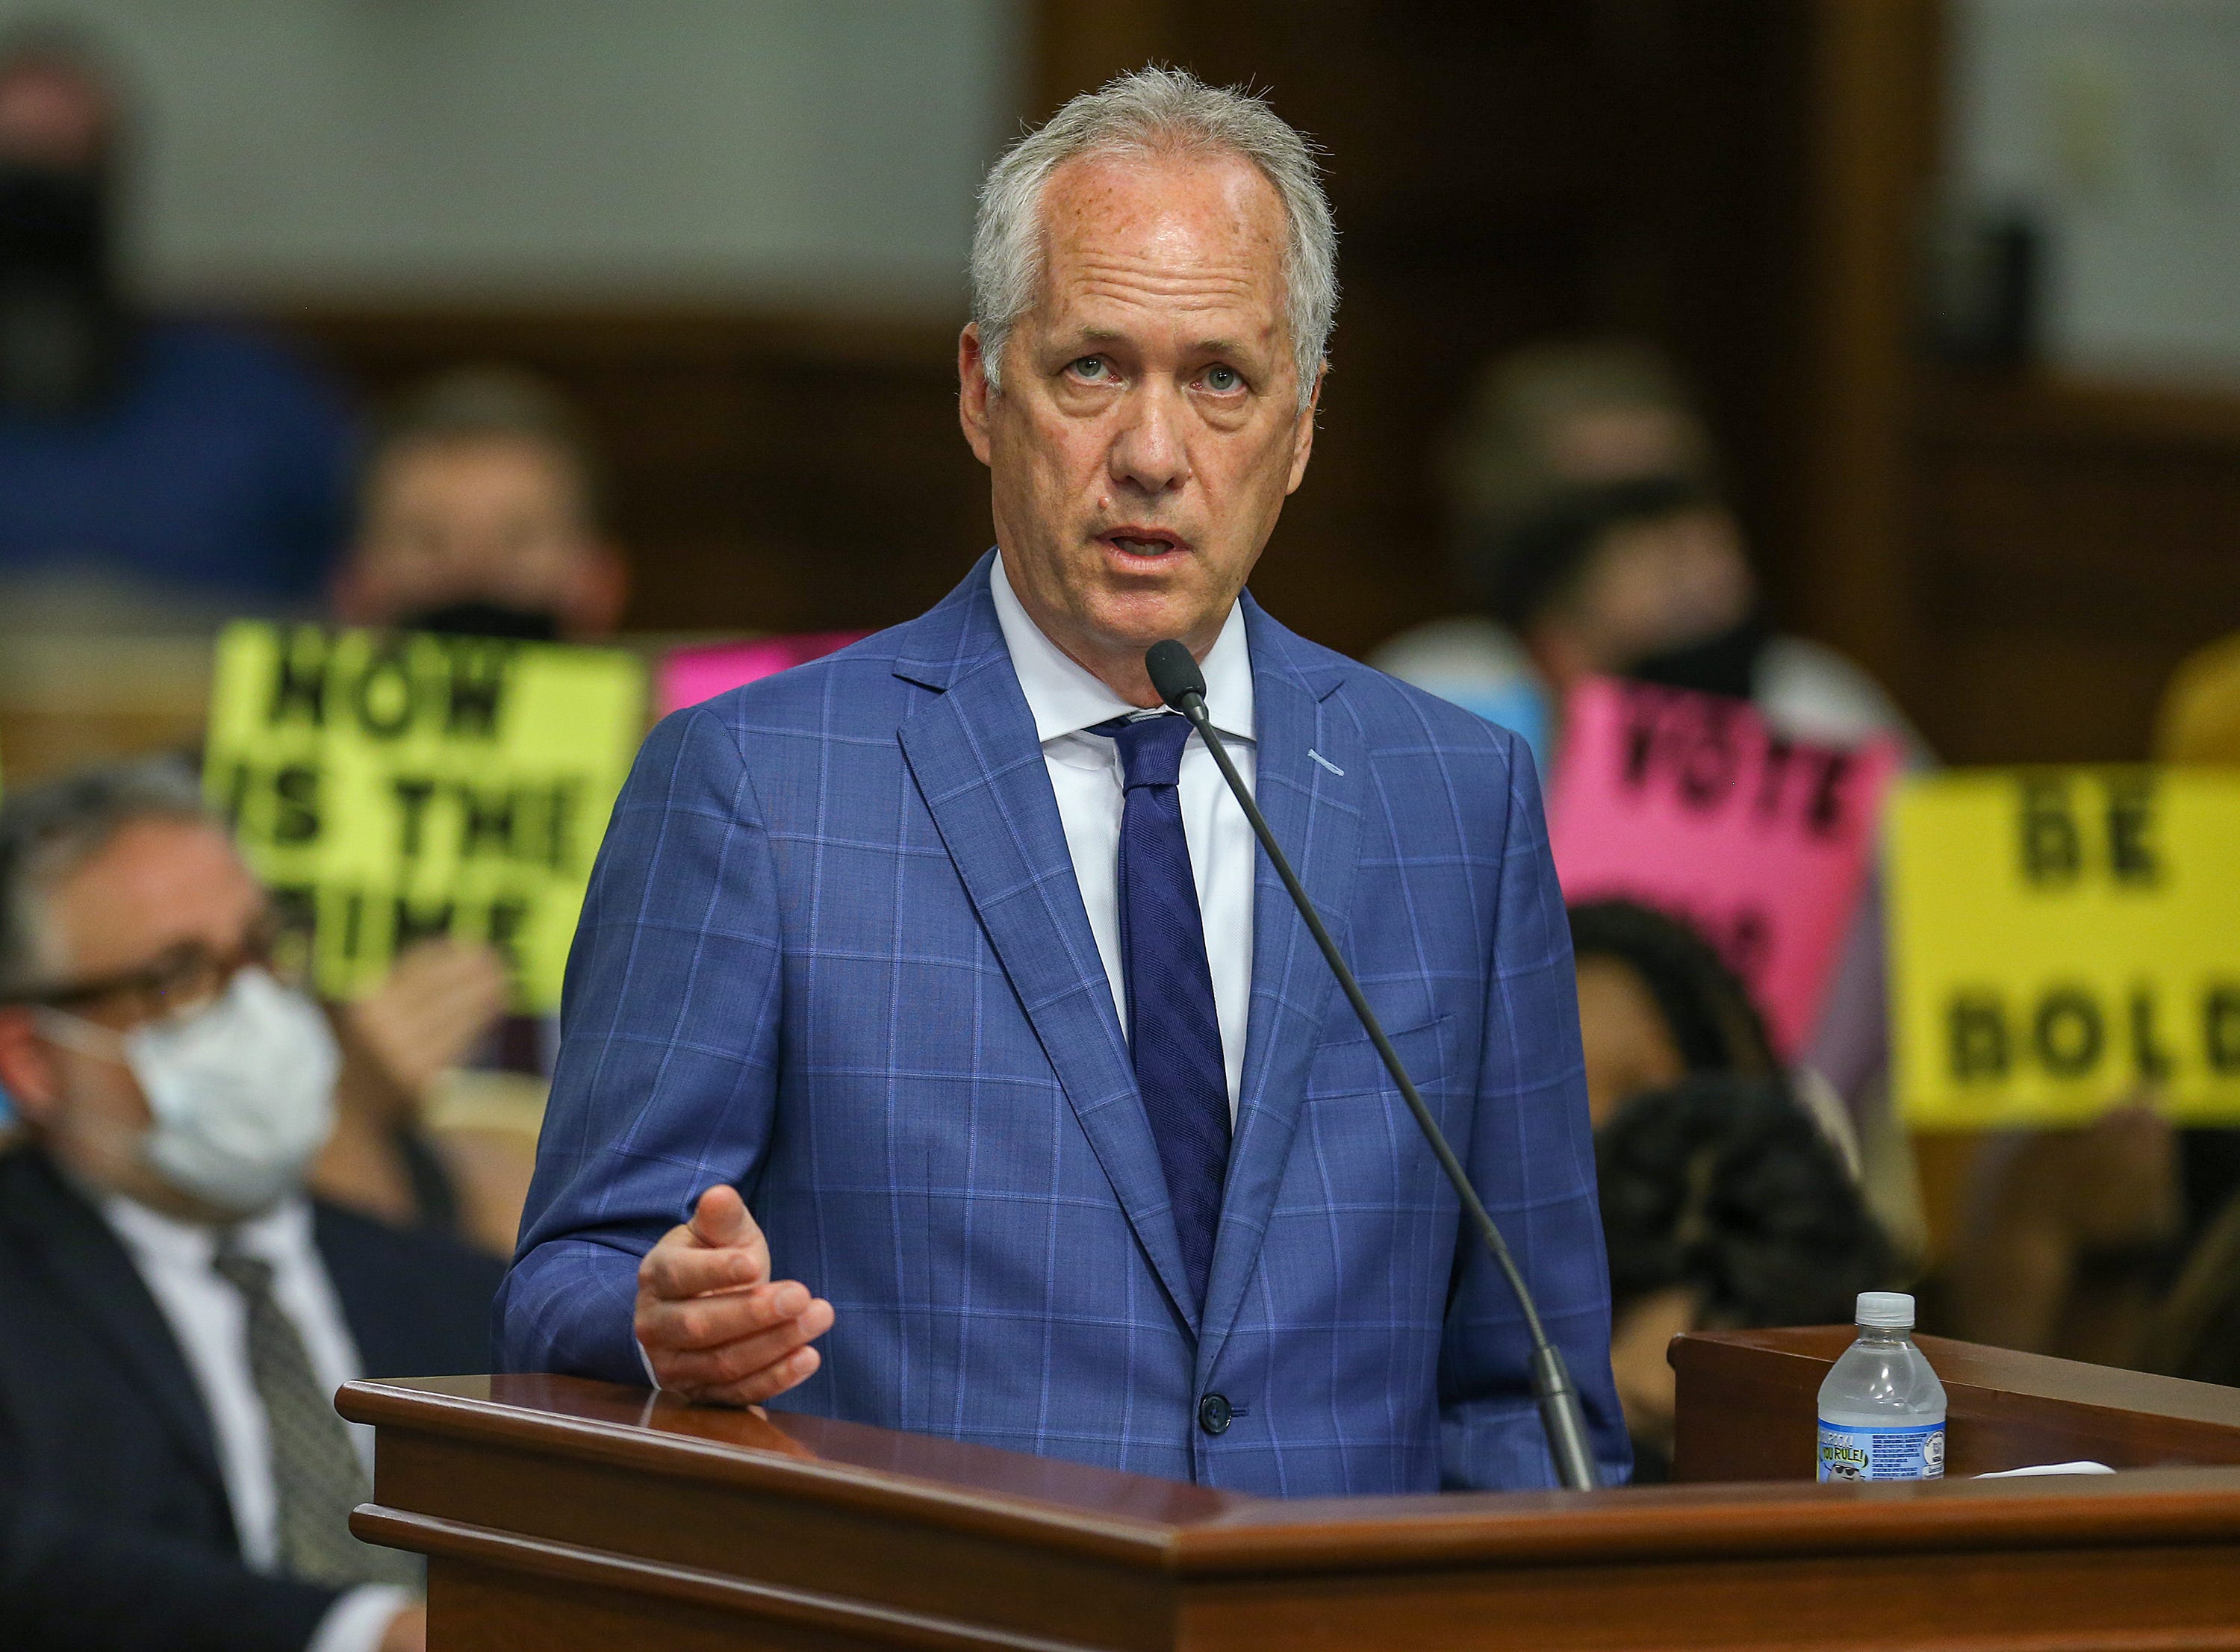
[(834, 953)]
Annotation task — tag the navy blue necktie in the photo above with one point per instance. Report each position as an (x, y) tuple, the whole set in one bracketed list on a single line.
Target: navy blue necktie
[(1173, 1033)]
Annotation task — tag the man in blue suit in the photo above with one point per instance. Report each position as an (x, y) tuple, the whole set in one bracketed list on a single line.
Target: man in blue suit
[(950, 959)]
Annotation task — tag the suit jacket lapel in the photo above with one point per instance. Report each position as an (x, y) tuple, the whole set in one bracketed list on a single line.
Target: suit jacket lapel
[(1316, 815), (75, 1246), (979, 768)]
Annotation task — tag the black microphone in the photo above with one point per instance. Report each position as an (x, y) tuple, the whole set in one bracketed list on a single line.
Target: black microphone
[(1182, 685)]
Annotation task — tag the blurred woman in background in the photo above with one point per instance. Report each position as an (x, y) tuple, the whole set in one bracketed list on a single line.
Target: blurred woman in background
[(1657, 1005), (1724, 1208)]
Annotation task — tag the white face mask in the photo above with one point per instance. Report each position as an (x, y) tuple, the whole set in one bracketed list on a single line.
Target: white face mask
[(243, 1092)]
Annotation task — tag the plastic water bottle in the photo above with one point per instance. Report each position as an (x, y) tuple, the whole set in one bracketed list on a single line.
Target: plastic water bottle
[(1882, 1409)]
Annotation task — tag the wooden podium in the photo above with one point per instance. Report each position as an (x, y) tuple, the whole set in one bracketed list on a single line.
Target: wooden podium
[(558, 1514)]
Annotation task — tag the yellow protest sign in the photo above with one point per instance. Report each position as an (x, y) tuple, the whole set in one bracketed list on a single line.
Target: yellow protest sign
[(390, 787), (2060, 939)]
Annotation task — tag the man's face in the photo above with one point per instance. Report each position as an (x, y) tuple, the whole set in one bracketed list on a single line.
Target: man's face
[(498, 520), (1623, 1035), (1148, 427), (157, 888), (1647, 586)]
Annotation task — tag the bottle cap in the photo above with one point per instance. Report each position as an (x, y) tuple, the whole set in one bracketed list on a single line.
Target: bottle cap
[(1887, 1310)]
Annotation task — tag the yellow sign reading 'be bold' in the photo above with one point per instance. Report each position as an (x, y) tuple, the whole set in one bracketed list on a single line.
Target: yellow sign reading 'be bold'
[(390, 787), (2063, 939)]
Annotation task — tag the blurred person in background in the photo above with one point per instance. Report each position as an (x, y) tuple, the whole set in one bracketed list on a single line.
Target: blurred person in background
[(145, 462), (2070, 1237), (1541, 421), (2118, 1242), (1658, 1004), (71, 1579), (402, 1044), (59, 1586), (1553, 417), (1724, 1209), (2198, 722), (1647, 579), (175, 1313), (480, 512), (1582, 488), (2195, 1330), (1583, 495)]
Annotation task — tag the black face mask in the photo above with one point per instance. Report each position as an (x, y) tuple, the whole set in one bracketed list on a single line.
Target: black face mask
[(477, 618), (1724, 663), (62, 331)]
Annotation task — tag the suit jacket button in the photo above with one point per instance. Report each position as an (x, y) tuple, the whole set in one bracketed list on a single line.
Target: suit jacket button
[(1213, 1414)]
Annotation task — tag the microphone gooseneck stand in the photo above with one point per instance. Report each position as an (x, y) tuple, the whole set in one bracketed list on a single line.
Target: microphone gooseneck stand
[(1176, 677)]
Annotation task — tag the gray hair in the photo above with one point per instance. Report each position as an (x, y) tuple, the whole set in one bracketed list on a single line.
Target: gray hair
[(50, 830), (1155, 112)]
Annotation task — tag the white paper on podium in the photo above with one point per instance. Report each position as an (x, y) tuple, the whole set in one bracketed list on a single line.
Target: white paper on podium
[(2049, 1468)]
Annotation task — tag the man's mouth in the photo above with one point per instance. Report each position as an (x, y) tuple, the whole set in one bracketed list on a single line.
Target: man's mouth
[(1149, 542)]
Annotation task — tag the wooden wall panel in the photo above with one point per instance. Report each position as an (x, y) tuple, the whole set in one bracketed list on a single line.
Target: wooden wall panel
[(2024, 561), (2074, 544), (1871, 75)]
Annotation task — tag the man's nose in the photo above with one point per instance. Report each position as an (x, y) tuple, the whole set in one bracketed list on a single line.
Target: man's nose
[(1150, 452)]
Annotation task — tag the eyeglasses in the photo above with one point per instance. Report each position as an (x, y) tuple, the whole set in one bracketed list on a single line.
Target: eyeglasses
[(178, 981)]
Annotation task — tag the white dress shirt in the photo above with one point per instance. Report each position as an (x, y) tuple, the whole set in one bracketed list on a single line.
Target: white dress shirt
[(210, 1321), (1085, 773)]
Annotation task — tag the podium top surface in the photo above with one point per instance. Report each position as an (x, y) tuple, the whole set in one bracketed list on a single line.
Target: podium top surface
[(1192, 1530), (1989, 1370)]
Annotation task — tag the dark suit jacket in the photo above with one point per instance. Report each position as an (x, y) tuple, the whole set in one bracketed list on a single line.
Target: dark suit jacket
[(118, 1529)]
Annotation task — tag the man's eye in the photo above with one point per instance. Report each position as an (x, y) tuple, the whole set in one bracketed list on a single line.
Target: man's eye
[(1224, 379), (1089, 367)]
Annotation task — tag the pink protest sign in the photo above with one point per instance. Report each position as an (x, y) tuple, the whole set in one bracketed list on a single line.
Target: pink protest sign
[(691, 675), (1691, 803)]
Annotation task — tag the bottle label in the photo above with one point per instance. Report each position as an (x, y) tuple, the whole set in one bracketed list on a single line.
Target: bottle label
[(1882, 1453)]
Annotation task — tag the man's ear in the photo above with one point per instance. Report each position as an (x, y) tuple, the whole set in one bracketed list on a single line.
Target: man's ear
[(972, 392), (1303, 433), (1560, 653), (27, 1072), (347, 597), (598, 594)]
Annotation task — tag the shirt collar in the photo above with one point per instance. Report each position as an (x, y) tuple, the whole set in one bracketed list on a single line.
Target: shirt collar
[(282, 1231), (1065, 698)]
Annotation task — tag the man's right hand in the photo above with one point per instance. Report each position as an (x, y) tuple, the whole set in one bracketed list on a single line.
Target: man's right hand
[(714, 1325)]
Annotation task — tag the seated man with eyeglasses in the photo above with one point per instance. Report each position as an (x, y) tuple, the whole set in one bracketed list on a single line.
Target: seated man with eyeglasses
[(175, 1312)]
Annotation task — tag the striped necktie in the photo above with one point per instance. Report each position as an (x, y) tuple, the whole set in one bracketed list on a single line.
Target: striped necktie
[(317, 1476), (1174, 1035)]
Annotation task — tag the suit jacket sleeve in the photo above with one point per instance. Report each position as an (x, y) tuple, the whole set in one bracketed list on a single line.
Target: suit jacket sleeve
[(69, 1581), (1531, 1158), (667, 1076)]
